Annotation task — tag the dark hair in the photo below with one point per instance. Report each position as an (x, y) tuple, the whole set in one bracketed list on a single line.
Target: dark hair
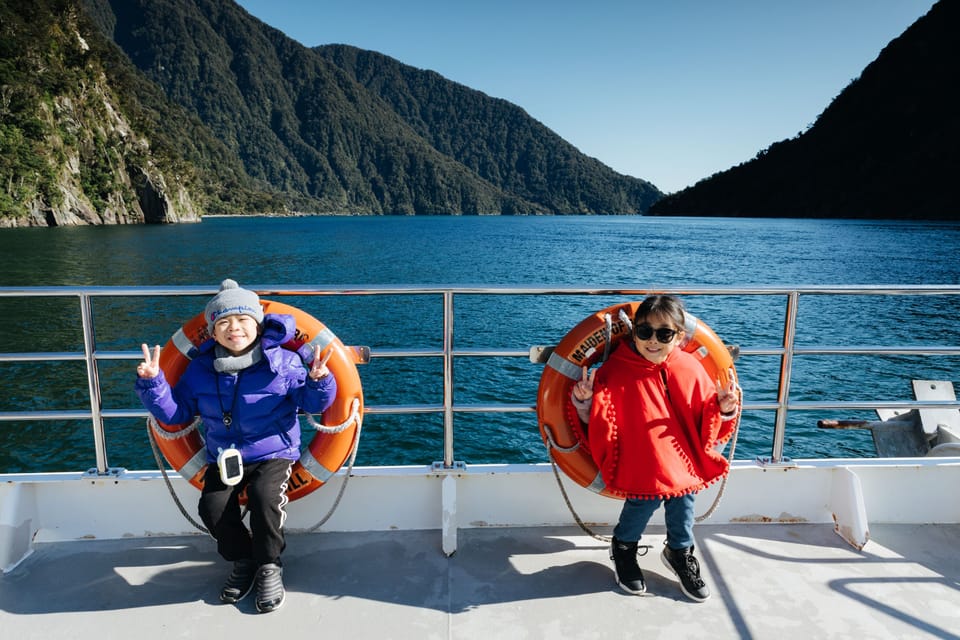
[(661, 305)]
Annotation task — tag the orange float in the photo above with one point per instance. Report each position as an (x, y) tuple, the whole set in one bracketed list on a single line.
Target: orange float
[(184, 447), (560, 426)]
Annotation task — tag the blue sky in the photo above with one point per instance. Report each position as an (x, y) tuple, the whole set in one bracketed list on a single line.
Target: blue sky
[(670, 91)]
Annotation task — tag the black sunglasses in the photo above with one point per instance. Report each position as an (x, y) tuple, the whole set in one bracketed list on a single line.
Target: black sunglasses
[(645, 331)]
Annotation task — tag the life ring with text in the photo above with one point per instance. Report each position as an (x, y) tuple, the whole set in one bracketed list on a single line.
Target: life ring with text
[(325, 453), (585, 345)]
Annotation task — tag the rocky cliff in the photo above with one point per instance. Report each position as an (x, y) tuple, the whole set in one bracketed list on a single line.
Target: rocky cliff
[(71, 155)]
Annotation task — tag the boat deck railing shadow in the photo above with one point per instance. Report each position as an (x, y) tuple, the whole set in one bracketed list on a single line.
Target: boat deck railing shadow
[(894, 560), (761, 575)]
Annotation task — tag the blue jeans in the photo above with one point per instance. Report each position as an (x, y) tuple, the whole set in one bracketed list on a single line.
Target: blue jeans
[(677, 512)]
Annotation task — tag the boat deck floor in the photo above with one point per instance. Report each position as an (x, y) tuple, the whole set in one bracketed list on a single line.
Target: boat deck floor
[(768, 580)]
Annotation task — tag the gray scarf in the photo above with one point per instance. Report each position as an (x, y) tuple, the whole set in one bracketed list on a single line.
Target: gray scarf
[(225, 362)]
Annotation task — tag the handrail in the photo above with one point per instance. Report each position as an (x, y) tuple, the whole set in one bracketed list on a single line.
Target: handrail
[(788, 349)]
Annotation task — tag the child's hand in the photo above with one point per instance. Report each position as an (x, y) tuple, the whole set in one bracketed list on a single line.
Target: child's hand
[(319, 367), (583, 390), (150, 367), (727, 396)]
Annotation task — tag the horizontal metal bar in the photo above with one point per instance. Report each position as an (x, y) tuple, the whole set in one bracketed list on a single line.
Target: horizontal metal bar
[(405, 409), (491, 353), (494, 408), (43, 356), (11, 416), (439, 408), (47, 356), (864, 406), (405, 353), (313, 290), (123, 413), (849, 405), (918, 350)]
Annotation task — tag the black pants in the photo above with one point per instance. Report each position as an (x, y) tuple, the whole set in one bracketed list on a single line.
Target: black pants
[(266, 485)]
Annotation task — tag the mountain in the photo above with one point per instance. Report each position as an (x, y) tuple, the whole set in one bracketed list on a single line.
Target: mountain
[(116, 112), (886, 147), (493, 138), (338, 130), (85, 138)]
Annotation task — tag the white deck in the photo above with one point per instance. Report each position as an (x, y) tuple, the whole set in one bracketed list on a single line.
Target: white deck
[(113, 558), (769, 581)]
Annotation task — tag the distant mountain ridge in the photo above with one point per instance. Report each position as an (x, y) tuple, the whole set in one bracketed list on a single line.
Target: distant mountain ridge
[(132, 111), (474, 130), (886, 147), (332, 139)]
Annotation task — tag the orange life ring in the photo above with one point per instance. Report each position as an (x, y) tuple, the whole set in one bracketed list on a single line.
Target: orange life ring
[(585, 344), (325, 454)]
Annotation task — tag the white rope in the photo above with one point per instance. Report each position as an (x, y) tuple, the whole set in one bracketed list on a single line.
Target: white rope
[(154, 429), (709, 512), (733, 446), (163, 434), (554, 445), (354, 415), (337, 428), (573, 512), (607, 336), (151, 427)]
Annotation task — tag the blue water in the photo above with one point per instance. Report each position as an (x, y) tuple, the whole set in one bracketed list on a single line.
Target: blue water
[(605, 251)]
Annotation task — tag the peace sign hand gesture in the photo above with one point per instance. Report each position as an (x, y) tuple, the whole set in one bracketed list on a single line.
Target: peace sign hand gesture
[(150, 367), (727, 396), (319, 367)]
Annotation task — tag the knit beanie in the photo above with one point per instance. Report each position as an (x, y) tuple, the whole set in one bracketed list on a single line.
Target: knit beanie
[(232, 301)]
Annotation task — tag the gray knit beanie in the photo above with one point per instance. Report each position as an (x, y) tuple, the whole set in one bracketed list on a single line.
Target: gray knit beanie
[(232, 301)]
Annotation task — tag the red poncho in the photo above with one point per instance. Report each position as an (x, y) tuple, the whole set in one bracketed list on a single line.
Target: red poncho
[(654, 428)]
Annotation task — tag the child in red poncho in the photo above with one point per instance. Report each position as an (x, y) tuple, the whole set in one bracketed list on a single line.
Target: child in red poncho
[(655, 422)]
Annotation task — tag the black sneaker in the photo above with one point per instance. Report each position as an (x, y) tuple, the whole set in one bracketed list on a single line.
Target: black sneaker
[(270, 592), (687, 569), (239, 582), (625, 568)]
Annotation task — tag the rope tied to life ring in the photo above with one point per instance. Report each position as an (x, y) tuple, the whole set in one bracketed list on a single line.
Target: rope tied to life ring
[(551, 442), (337, 428), (154, 430), (354, 416)]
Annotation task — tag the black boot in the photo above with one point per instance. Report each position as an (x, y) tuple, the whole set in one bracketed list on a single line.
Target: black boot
[(687, 569), (625, 567)]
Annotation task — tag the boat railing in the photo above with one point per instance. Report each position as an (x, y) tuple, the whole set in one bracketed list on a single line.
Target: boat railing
[(787, 350)]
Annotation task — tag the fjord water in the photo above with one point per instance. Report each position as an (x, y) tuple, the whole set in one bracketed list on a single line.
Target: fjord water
[(576, 251)]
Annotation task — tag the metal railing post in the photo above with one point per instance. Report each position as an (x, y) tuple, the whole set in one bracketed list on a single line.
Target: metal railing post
[(786, 366), (93, 384), (448, 379)]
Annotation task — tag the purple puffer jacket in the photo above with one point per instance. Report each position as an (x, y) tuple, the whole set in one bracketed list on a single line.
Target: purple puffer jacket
[(263, 399)]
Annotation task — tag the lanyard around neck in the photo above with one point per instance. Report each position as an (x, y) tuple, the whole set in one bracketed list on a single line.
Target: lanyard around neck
[(227, 415)]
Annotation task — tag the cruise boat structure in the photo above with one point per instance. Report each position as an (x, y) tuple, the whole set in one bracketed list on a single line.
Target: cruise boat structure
[(832, 547)]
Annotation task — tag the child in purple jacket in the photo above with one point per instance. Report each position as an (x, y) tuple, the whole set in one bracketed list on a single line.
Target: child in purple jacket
[(247, 390)]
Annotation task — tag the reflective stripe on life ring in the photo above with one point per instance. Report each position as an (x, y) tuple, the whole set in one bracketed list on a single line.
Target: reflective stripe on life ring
[(325, 454), (560, 426)]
